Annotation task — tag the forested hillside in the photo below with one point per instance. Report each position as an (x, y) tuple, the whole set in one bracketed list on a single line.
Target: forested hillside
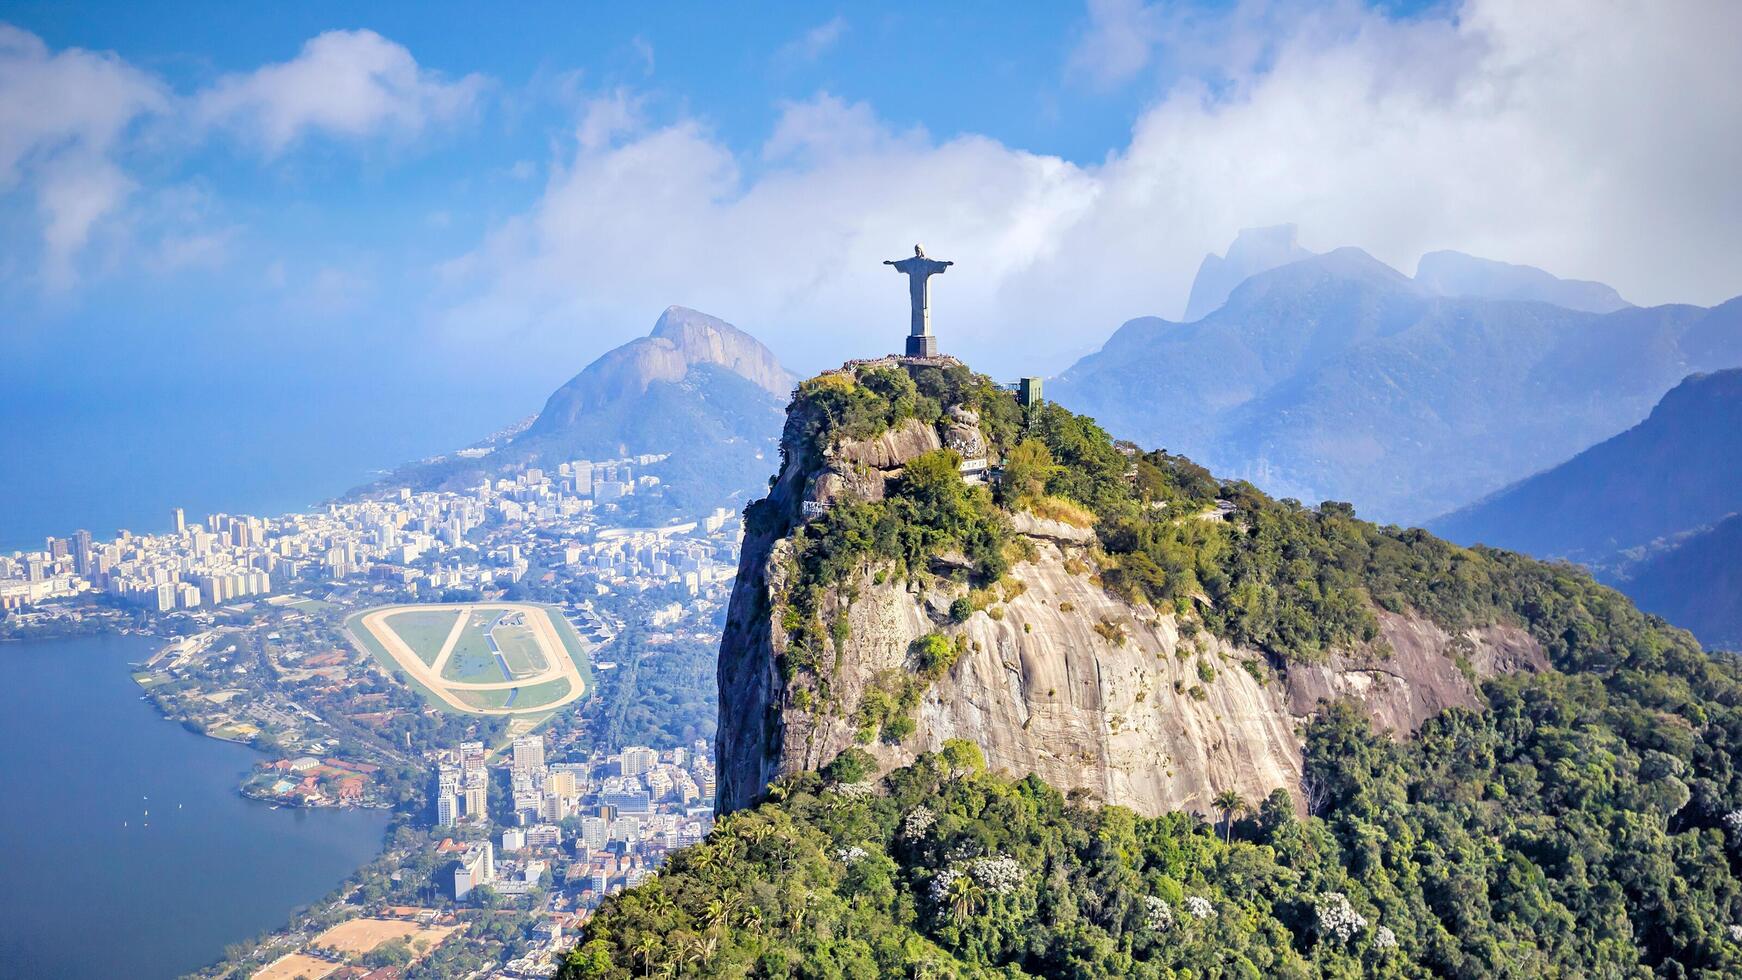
[(1585, 820), (1572, 829)]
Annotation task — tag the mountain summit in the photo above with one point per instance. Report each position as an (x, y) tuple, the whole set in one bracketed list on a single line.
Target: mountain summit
[(1456, 274), (682, 341), (1094, 610), (697, 391), (1254, 250)]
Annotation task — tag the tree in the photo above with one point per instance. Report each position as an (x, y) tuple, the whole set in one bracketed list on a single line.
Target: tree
[(964, 896), (1026, 471), (393, 952), (851, 766), (1228, 803), (963, 758)]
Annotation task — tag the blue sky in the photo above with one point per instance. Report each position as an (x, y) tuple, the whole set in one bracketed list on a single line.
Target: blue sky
[(422, 217)]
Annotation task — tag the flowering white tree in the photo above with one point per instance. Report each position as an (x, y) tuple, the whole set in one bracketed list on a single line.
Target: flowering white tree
[(1199, 907), (1733, 820), (1338, 918), (850, 854), (853, 791), (1736, 934), (1384, 938), (999, 875), (940, 885), (918, 821), (1157, 914)]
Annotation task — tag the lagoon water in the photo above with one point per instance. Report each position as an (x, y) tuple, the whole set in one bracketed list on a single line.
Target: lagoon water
[(96, 887)]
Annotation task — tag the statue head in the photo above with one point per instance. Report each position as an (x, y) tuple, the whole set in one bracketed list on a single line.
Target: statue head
[(919, 251)]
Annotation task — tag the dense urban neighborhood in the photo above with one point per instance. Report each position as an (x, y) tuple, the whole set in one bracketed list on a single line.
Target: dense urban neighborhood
[(512, 816)]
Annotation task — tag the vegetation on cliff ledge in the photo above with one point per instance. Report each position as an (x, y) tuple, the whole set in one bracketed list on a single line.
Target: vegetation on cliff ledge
[(1294, 581)]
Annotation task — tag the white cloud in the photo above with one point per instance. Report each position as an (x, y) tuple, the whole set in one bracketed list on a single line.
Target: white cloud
[(1120, 38), (825, 127), (1598, 141), (814, 43), (351, 84), (61, 116), (605, 118), (71, 140), (643, 49)]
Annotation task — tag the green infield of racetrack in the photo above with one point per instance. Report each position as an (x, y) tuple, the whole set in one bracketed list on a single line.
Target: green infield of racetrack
[(423, 630), (519, 646), (530, 697)]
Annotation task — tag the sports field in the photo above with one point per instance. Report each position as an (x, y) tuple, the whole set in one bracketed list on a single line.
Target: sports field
[(290, 966), (357, 937), (505, 658)]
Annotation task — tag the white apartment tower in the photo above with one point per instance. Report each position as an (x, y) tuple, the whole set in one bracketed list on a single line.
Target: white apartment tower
[(529, 753)]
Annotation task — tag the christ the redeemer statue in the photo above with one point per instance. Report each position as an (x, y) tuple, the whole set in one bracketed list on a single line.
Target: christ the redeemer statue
[(920, 342)]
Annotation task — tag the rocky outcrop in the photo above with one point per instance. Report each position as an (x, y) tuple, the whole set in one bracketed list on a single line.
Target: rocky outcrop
[(1058, 676), (1070, 683), (1418, 671), (861, 470)]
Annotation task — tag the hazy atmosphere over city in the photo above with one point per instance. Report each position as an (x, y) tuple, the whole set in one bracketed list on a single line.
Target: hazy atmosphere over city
[(610, 489)]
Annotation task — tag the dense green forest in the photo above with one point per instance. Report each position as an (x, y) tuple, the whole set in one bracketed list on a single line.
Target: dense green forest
[(1586, 823), (1531, 839), (660, 694)]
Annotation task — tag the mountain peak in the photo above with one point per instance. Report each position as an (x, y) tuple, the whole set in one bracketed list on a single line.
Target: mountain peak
[(682, 340), (1253, 250), (1450, 273)]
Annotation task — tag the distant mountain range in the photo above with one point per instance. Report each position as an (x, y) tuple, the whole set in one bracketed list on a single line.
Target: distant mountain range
[(1456, 274), (1335, 376), (1442, 273), (1652, 510), (696, 388)]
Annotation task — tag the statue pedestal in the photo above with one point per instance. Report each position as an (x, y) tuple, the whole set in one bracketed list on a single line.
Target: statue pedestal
[(924, 346)]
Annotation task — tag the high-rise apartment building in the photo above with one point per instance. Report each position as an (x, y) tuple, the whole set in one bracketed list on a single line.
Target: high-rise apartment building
[(529, 753), (476, 792), (477, 867), (82, 552), (638, 759)]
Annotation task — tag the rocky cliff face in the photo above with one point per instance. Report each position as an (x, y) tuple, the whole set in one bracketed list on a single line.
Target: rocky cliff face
[(1058, 676)]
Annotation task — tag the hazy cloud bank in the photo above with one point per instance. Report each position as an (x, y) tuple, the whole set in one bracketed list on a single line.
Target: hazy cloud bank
[(1597, 140)]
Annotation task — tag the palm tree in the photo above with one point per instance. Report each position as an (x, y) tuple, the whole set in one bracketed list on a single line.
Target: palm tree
[(704, 859), (715, 916), (1229, 803), (964, 895), (659, 905), (645, 947)]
